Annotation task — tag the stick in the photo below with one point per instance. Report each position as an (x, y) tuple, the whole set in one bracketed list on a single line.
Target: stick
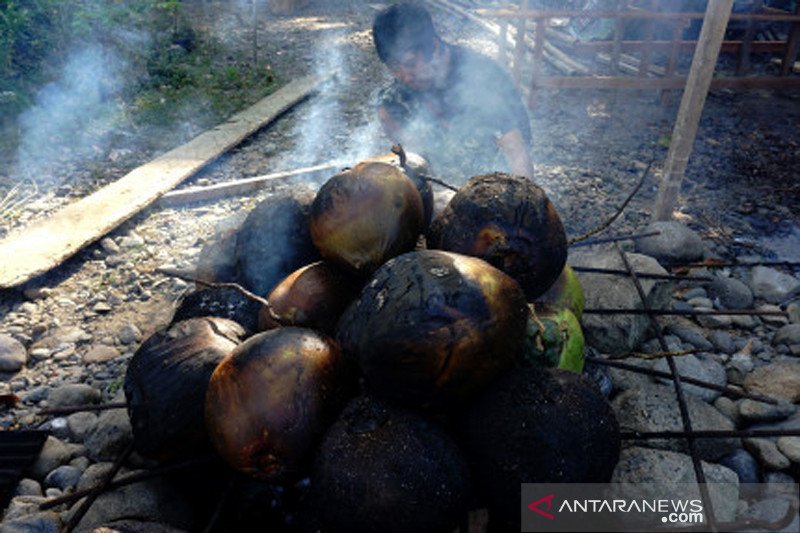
[(644, 275), (687, 312), (616, 215), (69, 409), (615, 238), (226, 285), (231, 188)]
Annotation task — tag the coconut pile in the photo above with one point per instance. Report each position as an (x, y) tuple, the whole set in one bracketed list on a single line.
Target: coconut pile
[(396, 370)]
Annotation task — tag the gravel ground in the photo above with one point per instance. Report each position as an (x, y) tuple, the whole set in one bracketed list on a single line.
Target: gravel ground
[(82, 322)]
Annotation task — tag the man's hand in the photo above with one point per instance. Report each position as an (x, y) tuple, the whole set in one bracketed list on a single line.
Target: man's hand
[(515, 151)]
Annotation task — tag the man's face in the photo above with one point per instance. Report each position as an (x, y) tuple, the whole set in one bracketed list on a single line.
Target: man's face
[(415, 70)]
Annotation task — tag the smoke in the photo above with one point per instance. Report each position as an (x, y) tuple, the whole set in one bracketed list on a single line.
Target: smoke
[(72, 116)]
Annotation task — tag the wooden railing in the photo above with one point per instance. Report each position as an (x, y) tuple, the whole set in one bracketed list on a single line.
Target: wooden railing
[(532, 39)]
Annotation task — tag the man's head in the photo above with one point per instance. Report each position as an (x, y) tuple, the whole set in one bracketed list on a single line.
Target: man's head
[(407, 43)]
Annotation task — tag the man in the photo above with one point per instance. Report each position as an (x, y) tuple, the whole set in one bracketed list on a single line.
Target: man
[(455, 107)]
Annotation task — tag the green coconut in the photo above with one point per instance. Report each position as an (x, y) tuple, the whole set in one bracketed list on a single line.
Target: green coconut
[(554, 339), (565, 293)]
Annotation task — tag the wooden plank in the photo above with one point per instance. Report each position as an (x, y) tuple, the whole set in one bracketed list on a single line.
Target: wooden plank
[(232, 188), (694, 96), (45, 244), (591, 47)]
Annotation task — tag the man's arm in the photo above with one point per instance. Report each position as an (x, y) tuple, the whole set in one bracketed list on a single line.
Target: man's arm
[(515, 151)]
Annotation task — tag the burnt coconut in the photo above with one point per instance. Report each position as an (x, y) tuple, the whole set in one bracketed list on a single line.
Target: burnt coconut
[(366, 215), (166, 381), (314, 296), (539, 426), (221, 302), (271, 399), (274, 241), (434, 326), (509, 222), (384, 468)]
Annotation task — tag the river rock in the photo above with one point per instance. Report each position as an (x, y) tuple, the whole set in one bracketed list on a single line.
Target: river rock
[(767, 453), (54, 454), (790, 447), (110, 436), (621, 333), (790, 336), (655, 408), (28, 487), (73, 394), (644, 473), (153, 500), (700, 367), (687, 331), (675, 244), (100, 353), (773, 285), (722, 341), (743, 463), (754, 411), (730, 293), (36, 522), (13, 354), (64, 477), (772, 511), (780, 380), (80, 425)]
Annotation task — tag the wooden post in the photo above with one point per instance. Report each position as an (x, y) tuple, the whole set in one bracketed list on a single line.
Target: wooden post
[(792, 45), (694, 96)]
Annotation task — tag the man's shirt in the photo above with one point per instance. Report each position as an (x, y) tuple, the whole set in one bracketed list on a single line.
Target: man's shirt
[(456, 128)]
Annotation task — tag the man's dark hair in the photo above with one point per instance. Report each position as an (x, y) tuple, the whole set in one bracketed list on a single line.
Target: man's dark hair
[(401, 28)]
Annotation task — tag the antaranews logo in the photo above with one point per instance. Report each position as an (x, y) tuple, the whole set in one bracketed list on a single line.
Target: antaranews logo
[(548, 500)]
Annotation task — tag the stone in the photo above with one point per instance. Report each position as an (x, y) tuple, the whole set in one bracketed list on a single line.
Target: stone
[(793, 310), (80, 425), (655, 408), (702, 303), (779, 380), (699, 367), (13, 354), (695, 292), (22, 506), (28, 487), (772, 511), (621, 333), (109, 246), (623, 380), (100, 354), (767, 453), (152, 500), (729, 408), (64, 477), (54, 454), (738, 367), (730, 293), (676, 243), (788, 335), (73, 394), (790, 447), (110, 436), (688, 332), (129, 334), (713, 321), (772, 285), (753, 411), (644, 473), (743, 463), (722, 341), (747, 322), (37, 522), (772, 320)]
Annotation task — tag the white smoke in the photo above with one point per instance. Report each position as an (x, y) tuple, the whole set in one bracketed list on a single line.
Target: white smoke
[(72, 116)]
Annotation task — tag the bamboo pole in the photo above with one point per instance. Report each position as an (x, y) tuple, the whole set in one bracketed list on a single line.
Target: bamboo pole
[(694, 97)]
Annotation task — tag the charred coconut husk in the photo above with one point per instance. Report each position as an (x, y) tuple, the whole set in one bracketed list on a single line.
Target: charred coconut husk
[(383, 468), (166, 383), (433, 326), (274, 241), (222, 302), (509, 222), (314, 296), (217, 259), (416, 168), (539, 426), (271, 398), (366, 215)]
